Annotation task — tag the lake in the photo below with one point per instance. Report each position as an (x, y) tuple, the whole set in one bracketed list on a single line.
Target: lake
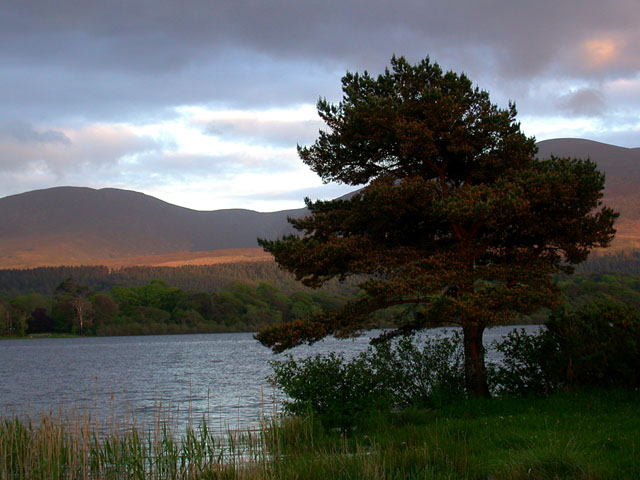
[(222, 377)]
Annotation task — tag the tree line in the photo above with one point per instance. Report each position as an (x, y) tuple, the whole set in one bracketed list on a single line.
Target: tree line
[(157, 308), (206, 278), (212, 278)]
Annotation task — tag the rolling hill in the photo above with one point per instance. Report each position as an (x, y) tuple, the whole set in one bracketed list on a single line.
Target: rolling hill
[(83, 226), (74, 226)]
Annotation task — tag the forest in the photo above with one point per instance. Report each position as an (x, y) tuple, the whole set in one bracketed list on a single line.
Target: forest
[(212, 278), (207, 299)]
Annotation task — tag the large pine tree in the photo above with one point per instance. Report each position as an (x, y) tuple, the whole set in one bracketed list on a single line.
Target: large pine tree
[(458, 221)]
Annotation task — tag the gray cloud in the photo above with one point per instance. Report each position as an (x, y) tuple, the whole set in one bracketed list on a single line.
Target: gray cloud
[(101, 57), (273, 132), (584, 102), (73, 73), (86, 151), (26, 133)]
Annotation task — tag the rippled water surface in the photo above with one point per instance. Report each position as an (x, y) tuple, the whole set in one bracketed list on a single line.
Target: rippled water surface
[(220, 376)]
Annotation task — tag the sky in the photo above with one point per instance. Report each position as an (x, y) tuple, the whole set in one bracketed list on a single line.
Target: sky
[(201, 103)]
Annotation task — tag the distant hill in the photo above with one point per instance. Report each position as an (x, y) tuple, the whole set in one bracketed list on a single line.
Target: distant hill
[(83, 226), (74, 226), (622, 169)]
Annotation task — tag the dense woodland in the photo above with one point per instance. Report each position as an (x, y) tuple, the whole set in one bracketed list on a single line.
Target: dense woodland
[(620, 262), (213, 278), (157, 308), (207, 278), (215, 298)]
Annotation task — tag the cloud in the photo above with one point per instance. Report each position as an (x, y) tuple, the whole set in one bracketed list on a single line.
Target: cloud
[(123, 55), (584, 102), (280, 133), (176, 96), (281, 128), (61, 154), (26, 133)]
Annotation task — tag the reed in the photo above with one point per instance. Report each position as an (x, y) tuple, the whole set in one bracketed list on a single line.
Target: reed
[(75, 445), (571, 436)]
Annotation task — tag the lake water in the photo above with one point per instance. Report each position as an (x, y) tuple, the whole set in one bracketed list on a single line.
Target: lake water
[(222, 377)]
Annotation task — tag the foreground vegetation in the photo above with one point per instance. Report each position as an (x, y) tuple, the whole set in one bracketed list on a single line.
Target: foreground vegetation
[(587, 435), (590, 434), (566, 408)]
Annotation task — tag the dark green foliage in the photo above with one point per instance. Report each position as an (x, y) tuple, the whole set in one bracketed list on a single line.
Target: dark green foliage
[(158, 308), (599, 344), (596, 345), (531, 364), (13, 321), (194, 278), (105, 309), (627, 263), (340, 392), (390, 375), (420, 371), (582, 289), (72, 310)]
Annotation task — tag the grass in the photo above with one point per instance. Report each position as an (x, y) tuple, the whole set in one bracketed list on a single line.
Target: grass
[(589, 435), (72, 445), (585, 435)]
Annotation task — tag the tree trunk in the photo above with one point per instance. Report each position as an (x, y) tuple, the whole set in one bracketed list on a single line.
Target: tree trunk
[(474, 368)]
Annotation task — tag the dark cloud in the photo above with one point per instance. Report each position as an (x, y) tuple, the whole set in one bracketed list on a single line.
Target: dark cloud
[(77, 76), (101, 57), (584, 102)]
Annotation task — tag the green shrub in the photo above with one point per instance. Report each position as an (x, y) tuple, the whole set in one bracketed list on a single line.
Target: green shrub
[(387, 376), (599, 344), (596, 345), (420, 372), (337, 390), (530, 365)]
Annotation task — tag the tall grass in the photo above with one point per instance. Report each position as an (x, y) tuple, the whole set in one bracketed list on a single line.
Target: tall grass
[(74, 445), (569, 436)]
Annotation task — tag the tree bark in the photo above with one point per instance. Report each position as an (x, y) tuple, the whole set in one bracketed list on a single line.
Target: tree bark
[(474, 368)]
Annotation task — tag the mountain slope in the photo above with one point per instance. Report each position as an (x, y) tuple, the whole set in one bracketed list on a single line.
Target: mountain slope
[(73, 225), (622, 188)]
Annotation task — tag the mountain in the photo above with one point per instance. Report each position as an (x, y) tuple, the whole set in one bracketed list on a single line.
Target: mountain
[(622, 183), (74, 225)]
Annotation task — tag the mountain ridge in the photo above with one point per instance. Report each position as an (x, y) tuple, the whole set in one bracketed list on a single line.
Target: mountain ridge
[(80, 225), (109, 226)]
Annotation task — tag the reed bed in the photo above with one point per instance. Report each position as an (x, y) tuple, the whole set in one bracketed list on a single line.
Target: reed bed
[(73, 445), (571, 436)]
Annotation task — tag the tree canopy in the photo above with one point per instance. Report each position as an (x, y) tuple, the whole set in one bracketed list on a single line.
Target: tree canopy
[(458, 220)]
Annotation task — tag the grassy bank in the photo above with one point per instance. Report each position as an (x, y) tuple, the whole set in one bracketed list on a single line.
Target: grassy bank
[(593, 435), (586, 435)]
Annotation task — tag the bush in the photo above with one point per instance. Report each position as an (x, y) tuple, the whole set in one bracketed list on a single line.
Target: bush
[(530, 364), (597, 345), (387, 376), (420, 372), (336, 390)]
